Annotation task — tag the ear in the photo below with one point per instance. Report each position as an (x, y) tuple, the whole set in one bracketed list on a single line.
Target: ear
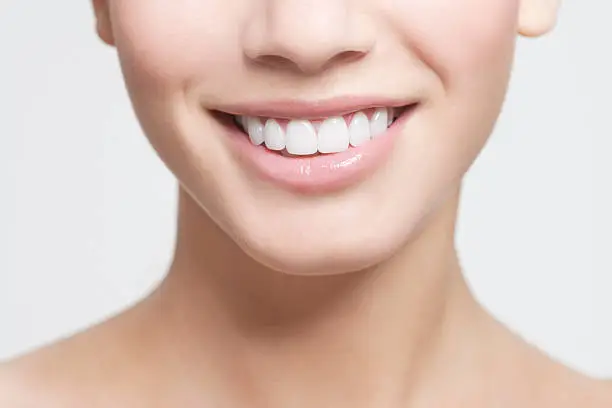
[(537, 17), (103, 21)]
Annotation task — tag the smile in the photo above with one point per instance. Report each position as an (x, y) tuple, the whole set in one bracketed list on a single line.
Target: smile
[(302, 137), (314, 148)]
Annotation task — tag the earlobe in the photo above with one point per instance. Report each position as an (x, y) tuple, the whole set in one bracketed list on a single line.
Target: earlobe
[(537, 17), (103, 21)]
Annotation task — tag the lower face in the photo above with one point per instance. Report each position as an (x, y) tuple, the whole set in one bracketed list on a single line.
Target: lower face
[(318, 135)]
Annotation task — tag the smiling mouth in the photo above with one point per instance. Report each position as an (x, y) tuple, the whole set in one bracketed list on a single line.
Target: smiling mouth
[(326, 135)]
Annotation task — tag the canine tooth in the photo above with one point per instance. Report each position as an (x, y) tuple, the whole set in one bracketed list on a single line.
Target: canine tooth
[(274, 135), (242, 121), (255, 129), (301, 138), (378, 123), (333, 135), (359, 129)]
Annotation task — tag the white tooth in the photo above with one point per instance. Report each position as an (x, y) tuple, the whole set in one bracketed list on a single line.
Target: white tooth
[(378, 123), (274, 135), (390, 115), (359, 129), (333, 135), (301, 138), (255, 129)]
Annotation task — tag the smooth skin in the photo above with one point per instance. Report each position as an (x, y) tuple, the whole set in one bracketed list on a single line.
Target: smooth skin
[(281, 300)]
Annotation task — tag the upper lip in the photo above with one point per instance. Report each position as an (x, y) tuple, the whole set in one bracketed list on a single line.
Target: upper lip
[(314, 109)]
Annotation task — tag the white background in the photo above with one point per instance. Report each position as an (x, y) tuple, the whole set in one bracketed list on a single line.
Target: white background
[(87, 209)]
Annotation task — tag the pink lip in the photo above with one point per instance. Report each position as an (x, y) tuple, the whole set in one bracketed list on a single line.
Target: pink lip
[(321, 173), (291, 109)]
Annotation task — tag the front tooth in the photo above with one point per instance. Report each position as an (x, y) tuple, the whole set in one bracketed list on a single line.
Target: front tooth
[(301, 138), (255, 129), (359, 129), (274, 135), (333, 135), (378, 123)]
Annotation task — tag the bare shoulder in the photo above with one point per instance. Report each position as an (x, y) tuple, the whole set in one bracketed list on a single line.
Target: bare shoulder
[(592, 393), (564, 387), (47, 377), (73, 372), (530, 377), (11, 392), (597, 394), (551, 384), (20, 389)]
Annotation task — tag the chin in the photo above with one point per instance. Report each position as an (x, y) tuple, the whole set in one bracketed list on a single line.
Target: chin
[(323, 240), (327, 257)]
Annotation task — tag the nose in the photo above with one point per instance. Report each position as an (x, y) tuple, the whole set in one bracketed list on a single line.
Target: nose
[(307, 36)]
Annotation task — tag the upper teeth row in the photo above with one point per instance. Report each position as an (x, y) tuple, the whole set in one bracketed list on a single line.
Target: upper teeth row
[(304, 137)]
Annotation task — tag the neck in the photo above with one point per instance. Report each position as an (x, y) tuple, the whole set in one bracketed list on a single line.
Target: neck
[(358, 338)]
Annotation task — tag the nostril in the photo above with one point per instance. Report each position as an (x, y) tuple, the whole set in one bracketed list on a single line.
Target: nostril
[(345, 57), (275, 61)]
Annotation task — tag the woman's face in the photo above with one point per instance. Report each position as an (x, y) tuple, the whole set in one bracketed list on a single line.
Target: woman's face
[(253, 105)]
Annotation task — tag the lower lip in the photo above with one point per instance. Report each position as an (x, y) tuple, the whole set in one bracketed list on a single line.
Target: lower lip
[(322, 173)]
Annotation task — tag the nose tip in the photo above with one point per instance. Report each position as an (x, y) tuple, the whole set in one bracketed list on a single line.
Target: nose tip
[(305, 36)]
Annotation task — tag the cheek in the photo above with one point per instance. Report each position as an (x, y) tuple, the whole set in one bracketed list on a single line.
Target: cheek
[(469, 46), (164, 43), (164, 47), (461, 39)]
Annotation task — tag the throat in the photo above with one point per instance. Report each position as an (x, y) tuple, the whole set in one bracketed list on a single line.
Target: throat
[(355, 339)]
